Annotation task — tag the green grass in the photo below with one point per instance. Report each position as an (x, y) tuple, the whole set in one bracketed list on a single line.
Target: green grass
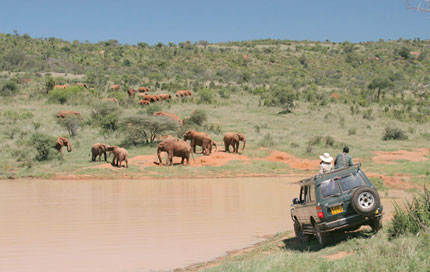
[(366, 253)]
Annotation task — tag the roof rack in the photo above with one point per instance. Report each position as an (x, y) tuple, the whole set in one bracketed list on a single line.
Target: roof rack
[(312, 179)]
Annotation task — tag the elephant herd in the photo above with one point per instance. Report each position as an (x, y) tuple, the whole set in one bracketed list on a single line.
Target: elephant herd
[(146, 99), (174, 147), (181, 148)]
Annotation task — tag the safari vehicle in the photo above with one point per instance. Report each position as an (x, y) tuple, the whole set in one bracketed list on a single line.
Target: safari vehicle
[(342, 199)]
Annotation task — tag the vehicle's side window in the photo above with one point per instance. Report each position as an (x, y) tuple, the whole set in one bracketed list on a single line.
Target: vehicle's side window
[(350, 182), (329, 188), (312, 193), (302, 194)]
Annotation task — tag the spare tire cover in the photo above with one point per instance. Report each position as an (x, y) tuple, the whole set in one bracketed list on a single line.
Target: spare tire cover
[(365, 200)]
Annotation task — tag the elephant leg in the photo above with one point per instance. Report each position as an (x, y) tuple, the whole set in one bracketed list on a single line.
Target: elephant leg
[(226, 146), (236, 147), (182, 161), (126, 163), (105, 155), (170, 158)]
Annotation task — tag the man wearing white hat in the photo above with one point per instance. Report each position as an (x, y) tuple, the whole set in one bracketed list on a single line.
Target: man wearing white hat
[(325, 164)]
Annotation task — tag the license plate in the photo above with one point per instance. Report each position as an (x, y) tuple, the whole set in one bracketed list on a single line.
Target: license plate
[(336, 210)]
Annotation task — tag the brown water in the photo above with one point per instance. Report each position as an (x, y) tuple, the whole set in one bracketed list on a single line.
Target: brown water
[(135, 225)]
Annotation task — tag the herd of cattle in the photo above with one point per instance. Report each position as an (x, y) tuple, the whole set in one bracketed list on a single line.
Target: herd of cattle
[(174, 147)]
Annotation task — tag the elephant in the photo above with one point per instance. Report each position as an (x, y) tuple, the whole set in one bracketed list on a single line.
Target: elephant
[(164, 96), (65, 86), (98, 150), (61, 141), (84, 85), (144, 102), (202, 139), (115, 87), (150, 97), (182, 93), (143, 89), (63, 114), (174, 148), (131, 92), (120, 154), (170, 115), (111, 99), (233, 139)]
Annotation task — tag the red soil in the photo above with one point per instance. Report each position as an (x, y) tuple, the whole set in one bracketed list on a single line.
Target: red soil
[(293, 161), (418, 155)]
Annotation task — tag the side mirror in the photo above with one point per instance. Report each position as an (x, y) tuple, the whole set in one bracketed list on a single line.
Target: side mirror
[(295, 201)]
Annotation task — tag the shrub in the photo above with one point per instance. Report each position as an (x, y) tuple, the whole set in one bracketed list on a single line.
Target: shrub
[(415, 219), (394, 134), (9, 88), (141, 129), (153, 108), (197, 117), (267, 141), (206, 96), (64, 95), (106, 116), (71, 123), (43, 146), (352, 131)]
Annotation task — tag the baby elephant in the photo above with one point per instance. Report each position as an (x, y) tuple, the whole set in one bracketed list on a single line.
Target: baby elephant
[(98, 150), (174, 148), (120, 154)]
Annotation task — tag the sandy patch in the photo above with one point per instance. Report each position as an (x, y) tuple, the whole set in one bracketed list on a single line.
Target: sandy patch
[(399, 181), (293, 161), (418, 155), (337, 256)]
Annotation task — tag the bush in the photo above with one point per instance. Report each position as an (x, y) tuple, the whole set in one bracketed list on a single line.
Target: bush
[(415, 219), (197, 117), (155, 107), (9, 88), (63, 95), (71, 123), (141, 129), (394, 134), (43, 145), (206, 96), (106, 116)]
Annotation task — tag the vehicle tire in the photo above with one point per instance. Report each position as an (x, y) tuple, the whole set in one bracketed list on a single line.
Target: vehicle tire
[(375, 224), (322, 238), (298, 229), (365, 200)]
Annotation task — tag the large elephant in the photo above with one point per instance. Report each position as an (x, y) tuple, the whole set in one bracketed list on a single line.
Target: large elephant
[(202, 139), (150, 97), (61, 141), (98, 150), (233, 139), (64, 114), (174, 148), (119, 154)]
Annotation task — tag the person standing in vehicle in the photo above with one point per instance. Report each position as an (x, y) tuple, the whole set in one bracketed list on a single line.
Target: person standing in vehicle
[(325, 164), (343, 159)]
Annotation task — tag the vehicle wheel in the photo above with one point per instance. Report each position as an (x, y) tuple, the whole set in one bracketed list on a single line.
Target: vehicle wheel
[(298, 229), (365, 200), (322, 238), (375, 224)]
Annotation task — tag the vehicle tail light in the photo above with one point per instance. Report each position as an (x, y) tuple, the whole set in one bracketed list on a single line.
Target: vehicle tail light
[(320, 212)]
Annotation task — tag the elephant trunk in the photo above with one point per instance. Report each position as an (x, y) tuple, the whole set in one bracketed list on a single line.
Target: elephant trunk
[(69, 148), (244, 143)]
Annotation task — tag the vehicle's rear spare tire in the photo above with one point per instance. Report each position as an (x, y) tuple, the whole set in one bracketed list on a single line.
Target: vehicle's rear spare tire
[(365, 200), (298, 229)]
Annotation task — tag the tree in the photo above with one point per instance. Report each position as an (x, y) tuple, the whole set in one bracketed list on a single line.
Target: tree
[(380, 84), (71, 123), (141, 129)]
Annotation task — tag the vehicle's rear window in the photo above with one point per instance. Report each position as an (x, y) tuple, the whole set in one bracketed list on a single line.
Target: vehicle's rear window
[(329, 188), (350, 182)]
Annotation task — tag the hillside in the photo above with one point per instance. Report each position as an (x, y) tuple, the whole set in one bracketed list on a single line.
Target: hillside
[(328, 94)]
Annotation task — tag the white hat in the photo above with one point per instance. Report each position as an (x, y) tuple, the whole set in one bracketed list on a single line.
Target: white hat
[(326, 157)]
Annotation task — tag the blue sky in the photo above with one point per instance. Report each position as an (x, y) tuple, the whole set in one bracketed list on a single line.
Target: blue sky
[(132, 21)]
